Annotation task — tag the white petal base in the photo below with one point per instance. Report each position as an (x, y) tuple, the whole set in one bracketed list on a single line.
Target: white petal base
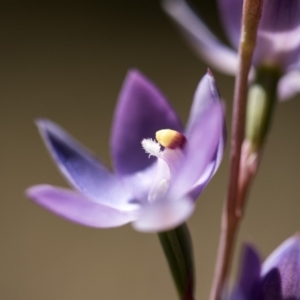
[(164, 215)]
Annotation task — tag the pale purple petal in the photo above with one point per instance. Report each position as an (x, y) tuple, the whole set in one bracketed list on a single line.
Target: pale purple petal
[(248, 285), (164, 215), (199, 151), (206, 94), (212, 168), (231, 16), (141, 111), (278, 39), (206, 45), (82, 169), (288, 85), (203, 180), (286, 259), (74, 207)]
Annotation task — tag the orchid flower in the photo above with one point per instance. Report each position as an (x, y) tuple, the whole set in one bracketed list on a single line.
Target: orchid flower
[(278, 278), (156, 183), (278, 38)]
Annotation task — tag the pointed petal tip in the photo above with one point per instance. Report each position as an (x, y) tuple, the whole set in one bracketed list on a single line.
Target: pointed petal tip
[(135, 76), (48, 129), (43, 121), (135, 81), (40, 122), (212, 83), (209, 72), (134, 72), (31, 191), (45, 125), (249, 247), (206, 94), (34, 192)]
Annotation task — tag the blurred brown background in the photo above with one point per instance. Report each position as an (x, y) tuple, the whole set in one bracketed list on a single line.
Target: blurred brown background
[(66, 61)]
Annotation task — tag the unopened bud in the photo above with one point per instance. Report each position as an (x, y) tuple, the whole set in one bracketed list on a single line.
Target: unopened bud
[(260, 107), (257, 115)]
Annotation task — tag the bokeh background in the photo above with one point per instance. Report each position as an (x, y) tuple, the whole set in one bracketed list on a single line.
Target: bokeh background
[(66, 60)]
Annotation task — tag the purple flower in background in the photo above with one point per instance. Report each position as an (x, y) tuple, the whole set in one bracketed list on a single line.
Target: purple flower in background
[(277, 279), (155, 190), (278, 38)]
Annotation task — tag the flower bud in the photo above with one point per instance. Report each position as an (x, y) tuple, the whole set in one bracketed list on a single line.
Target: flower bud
[(260, 106)]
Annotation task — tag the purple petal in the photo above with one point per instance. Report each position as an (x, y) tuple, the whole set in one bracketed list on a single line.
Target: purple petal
[(206, 94), (82, 169), (141, 111), (271, 286), (76, 208), (278, 39), (206, 45), (231, 16), (289, 85), (280, 15), (164, 215), (248, 285), (286, 259), (199, 151)]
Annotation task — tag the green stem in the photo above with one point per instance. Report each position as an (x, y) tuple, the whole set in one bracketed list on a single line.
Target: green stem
[(177, 246)]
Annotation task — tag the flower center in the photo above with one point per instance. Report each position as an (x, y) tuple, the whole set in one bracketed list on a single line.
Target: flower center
[(167, 160)]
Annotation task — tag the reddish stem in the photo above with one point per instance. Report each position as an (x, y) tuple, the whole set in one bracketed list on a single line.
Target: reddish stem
[(231, 212)]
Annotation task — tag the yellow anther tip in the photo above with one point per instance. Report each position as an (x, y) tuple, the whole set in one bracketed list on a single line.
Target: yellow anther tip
[(170, 138)]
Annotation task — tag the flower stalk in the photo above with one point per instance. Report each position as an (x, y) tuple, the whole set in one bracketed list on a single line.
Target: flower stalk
[(230, 221), (177, 247)]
